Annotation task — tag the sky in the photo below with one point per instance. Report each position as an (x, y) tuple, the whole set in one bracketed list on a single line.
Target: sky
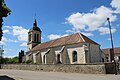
[(58, 18)]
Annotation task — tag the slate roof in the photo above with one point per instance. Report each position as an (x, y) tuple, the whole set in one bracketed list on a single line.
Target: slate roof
[(107, 50), (74, 38)]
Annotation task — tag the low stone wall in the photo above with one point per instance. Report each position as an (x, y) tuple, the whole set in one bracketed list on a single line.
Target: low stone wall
[(78, 68)]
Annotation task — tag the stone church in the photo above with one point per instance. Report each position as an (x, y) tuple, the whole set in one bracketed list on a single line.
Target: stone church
[(73, 49)]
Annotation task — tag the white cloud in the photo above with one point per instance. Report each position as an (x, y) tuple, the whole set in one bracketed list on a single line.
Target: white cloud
[(6, 31), (90, 21), (73, 30), (10, 40), (8, 27), (116, 4), (105, 30), (20, 32), (7, 51), (3, 41), (55, 36), (24, 44), (64, 35), (87, 34)]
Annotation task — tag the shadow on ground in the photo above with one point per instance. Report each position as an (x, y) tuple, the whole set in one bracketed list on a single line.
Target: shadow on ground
[(6, 78)]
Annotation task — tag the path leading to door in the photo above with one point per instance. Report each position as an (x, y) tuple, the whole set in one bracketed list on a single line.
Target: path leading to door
[(35, 75)]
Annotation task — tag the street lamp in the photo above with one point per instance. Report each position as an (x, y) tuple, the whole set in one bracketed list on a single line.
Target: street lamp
[(112, 49)]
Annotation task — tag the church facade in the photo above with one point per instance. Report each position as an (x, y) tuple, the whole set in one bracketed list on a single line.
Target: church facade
[(73, 49)]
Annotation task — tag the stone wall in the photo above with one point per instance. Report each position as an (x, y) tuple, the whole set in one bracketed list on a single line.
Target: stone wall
[(78, 68)]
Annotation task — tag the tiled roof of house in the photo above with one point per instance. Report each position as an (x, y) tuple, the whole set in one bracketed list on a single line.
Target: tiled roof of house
[(74, 38), (107, 50)]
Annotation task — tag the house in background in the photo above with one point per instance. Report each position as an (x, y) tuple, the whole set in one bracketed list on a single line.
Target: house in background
[(106, 51), (72, 49)]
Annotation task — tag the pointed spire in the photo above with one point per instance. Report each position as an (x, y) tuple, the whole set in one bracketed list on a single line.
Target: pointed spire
[(35, 23)]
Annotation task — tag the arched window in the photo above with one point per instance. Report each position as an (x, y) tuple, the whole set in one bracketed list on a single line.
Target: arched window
[(74, 56), (44, 59), (36, 37), (58, 58), (29, 37)]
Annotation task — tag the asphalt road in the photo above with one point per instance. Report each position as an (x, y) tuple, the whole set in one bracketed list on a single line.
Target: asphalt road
[(37, 75)]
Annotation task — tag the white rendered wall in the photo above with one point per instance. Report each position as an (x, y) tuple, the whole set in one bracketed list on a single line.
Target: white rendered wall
[(95, 54)]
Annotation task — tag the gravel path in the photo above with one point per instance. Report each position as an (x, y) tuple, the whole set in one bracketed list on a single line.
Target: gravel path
[(36, 75)]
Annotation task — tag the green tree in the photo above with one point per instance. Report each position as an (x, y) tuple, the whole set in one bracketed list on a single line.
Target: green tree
[(4, 12), (10, 60), (21, 54)]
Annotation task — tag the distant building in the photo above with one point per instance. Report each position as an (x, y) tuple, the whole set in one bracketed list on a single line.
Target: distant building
[(72, 49), (106, 51)]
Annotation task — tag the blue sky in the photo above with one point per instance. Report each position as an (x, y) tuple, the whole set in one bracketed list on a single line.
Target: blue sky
[(57, 18)]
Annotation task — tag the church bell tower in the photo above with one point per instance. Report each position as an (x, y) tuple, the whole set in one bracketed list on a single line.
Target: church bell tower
[(34, 36)]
